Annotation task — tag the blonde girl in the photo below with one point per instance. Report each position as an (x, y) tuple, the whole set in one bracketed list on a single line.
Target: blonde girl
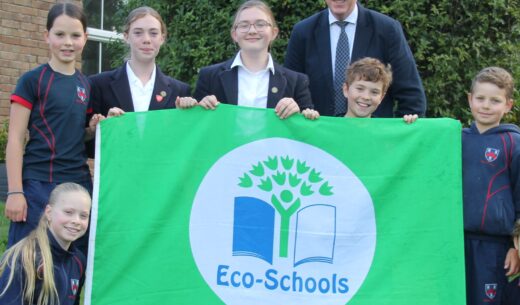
[(44, 268)]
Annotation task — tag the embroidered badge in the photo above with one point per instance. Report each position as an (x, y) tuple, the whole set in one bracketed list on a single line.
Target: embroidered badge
[(82, 93), (74, 283), (491, 290), (491, 154)]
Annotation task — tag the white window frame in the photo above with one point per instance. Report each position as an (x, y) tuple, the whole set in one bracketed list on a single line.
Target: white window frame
[(102, 36)]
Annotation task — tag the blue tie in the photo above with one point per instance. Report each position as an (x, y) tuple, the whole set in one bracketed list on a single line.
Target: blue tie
[(342, 61)]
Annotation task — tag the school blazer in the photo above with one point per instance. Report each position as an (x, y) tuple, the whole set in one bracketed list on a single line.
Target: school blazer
[(222, 81), (111, 89), (377, 36)]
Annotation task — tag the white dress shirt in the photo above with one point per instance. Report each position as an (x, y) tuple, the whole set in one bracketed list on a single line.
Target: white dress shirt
[(253, 87), (141, 94)]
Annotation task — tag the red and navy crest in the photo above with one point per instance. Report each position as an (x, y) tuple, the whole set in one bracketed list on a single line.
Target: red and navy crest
[(82, 93), (491, 290), (74, 283), (491, 154)]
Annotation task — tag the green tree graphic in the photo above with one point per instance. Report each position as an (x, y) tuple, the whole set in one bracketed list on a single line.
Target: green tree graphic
[(295, 180)]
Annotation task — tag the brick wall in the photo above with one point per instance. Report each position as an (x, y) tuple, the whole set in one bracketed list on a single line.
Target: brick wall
[(22, 47)]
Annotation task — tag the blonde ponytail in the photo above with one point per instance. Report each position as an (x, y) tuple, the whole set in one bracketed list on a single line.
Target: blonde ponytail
[(34, 255)]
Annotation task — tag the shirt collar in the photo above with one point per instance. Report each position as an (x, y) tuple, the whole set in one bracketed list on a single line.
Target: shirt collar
[(133, 79), (56, 248), (352, 18), (237, 62)]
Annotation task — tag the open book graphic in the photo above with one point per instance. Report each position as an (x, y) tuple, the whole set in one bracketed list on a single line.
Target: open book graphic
[(253, 231), (315, 234), (253, 228)]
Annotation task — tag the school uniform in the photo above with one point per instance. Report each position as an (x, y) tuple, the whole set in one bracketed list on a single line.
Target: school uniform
[(55, 152), (112, 89), (491, 188), (69, 267), (221, 80)]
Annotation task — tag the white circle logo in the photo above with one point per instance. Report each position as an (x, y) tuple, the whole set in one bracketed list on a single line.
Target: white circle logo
[(278, 221)]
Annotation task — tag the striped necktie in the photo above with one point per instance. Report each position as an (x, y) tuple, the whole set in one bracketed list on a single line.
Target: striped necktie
[(342, 61)]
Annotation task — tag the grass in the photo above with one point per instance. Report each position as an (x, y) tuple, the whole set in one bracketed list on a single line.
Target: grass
[(4, 228)]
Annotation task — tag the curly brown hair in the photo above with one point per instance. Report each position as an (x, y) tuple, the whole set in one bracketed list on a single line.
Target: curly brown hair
[(369, 69)]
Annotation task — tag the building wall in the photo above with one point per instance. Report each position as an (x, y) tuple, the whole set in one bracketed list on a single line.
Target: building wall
[(22, 47)]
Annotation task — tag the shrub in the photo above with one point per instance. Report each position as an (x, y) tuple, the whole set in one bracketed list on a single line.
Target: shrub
[(452, 41)]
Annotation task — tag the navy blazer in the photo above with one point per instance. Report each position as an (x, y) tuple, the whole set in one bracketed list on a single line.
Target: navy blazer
[(377, 36), (222, 81), (112, 89)]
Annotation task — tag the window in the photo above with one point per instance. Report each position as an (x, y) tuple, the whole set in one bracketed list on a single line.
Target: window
[(100, 31)]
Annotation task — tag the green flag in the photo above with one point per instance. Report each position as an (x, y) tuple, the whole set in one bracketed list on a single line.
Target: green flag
[(235, 206)]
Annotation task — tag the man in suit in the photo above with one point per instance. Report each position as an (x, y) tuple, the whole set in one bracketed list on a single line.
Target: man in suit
[(313, 48)]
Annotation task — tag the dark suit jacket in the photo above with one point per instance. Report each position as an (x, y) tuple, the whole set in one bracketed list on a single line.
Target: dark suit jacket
[(377, 36), (222, 81), (111, 89)]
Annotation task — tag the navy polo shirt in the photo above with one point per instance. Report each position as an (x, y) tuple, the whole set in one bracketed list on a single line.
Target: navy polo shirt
[(59, 107)]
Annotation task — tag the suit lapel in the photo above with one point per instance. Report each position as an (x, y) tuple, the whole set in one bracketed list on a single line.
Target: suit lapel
[(229, 82), (364, 34), (121, 89), (276, 89), (162, 93), (322, 38)]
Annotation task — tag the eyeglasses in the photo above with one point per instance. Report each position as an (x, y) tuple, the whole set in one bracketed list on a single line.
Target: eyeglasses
[(244, 26)]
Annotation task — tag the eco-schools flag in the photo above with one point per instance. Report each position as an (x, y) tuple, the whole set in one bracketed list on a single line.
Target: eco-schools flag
[(235, 206)]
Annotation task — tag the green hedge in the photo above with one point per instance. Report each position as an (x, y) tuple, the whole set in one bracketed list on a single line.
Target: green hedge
[(451, 40)]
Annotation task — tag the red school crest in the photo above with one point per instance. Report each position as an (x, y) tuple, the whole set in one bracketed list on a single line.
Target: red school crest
[(82, 93), (491, 154), (491, 290), (74, 283)]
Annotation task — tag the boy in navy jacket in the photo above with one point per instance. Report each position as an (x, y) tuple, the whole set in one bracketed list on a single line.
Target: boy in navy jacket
[(491, 181)]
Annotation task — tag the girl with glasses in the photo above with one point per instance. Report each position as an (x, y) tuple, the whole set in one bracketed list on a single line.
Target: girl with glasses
[(252, 78)]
